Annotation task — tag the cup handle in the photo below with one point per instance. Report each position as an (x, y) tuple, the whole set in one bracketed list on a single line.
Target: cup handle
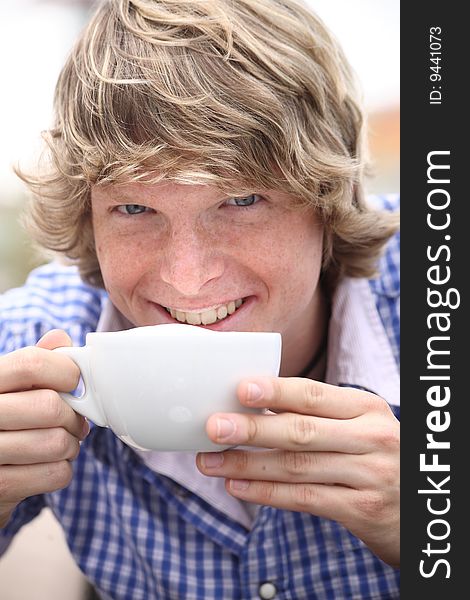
[(85, 404)]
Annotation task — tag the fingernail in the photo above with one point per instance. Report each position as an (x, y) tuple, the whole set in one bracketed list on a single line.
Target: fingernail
[(85, 429), (254, 392), (225, 428), (239, 484), (212, 460)]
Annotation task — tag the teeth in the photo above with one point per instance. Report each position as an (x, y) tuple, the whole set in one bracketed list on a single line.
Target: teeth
[(193, 318), (222, 312), (206, 317)]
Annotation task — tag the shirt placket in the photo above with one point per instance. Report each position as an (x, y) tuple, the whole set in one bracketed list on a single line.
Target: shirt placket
[(261, 567)]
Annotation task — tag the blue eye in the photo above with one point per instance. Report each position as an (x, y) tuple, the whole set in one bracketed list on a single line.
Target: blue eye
[(131, 209), (244, 201)]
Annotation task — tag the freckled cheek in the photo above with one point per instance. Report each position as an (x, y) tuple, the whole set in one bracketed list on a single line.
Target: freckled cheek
[(300, 247), (288, 253), (298, 265), (122, 264)]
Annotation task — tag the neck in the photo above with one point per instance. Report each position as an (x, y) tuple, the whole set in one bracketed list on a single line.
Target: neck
[(303, 355)]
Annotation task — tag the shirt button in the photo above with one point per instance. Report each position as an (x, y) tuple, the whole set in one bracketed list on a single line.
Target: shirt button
[(267, 591)]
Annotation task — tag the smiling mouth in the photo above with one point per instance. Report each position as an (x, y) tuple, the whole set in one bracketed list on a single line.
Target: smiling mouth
[(206, 317)]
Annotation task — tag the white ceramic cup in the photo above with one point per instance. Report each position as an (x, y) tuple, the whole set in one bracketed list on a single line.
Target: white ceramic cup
[(156, 386)]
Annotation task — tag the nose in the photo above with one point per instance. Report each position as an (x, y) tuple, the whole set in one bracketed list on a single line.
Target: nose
[(190, 260)]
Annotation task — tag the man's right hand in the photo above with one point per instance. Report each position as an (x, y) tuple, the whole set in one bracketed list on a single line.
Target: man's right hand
[(39, 432)]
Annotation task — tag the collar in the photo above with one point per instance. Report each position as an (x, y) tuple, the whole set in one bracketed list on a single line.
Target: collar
[(359, 352)]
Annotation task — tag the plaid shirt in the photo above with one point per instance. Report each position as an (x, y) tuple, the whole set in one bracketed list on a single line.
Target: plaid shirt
[(137, 534)]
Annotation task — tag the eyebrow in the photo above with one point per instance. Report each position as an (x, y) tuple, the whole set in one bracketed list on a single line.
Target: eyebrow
[(117, 194)]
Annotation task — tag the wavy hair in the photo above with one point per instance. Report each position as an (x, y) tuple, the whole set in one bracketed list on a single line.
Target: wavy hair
[(219, 92)]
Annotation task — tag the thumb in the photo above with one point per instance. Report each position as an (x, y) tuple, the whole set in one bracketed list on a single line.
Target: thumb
[(54, 339)]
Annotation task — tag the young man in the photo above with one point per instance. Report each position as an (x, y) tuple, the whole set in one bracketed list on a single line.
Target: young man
[(207, 167)]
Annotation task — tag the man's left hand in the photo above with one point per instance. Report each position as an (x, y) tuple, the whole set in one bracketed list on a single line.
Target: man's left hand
[(327, 450)]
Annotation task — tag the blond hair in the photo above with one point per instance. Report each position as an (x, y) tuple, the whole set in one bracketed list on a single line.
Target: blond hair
[(219, 92)]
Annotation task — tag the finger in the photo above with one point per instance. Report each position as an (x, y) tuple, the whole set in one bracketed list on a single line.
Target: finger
[(35, 367), (37, 446), (21, 481), (354, 509), (290, 431), (328, 501), (308, 397), (55, 338), (37, 409), (295, 467)]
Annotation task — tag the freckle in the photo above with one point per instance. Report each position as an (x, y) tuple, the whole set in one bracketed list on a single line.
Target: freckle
[(263, 467)]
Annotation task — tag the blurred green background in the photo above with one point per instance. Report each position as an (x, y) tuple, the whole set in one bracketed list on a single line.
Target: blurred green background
[(17, 256)]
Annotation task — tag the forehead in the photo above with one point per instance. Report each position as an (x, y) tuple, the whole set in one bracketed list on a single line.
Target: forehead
[(152, 188)]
